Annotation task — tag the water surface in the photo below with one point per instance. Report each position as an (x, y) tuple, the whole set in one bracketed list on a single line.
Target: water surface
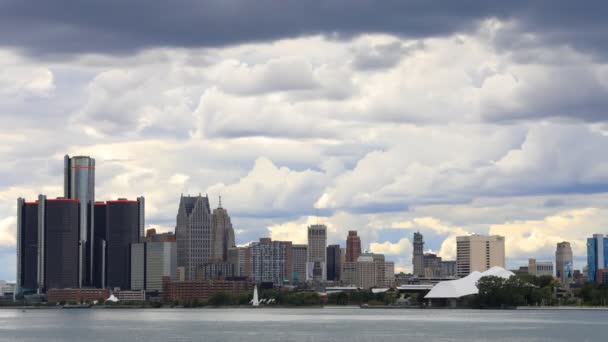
[(315, 324)]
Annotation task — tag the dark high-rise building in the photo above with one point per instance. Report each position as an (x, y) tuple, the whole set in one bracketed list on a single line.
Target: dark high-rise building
[(48, 247), (193, 232), (79, 184), (27, 246), (62, 247), (222, 234), (99, 250), (123, 222), (353, 246), (333, 262), (418, 258)]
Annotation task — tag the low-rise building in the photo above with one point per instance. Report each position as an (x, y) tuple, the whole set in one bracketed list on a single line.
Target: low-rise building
[(81, 295), (131, 296), (203, 289), (540, 268)]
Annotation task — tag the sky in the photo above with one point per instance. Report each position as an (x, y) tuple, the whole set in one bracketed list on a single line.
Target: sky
[(385, 117)]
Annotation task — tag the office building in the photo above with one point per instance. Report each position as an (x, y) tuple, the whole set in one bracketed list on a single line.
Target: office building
[(27, 246), (353, 246), (370, 270), (418, 257), (597, 256), (367, 271), (431, 265), (389, 274), (479, 253), (316, 264), (123, 228), (99, 245), (270, 261), (333, 262), (222, 234), (447, 268), (150, 263), (237, 256), (202, 289), (540, 268), (300, 256), (215, 270), (79, 184), (153, 236), (564, 262), (59, 264), (194, 234)]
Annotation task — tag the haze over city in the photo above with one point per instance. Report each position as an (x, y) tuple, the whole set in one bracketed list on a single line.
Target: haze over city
[(468, 117)]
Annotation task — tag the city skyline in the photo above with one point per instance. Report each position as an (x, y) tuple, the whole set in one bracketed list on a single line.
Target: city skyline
[(492, 121)]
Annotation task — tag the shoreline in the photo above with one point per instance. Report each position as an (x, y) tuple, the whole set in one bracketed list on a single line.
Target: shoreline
[(524, 308)]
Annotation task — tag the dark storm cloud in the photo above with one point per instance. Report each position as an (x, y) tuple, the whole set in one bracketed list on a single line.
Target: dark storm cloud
[(113, 26)]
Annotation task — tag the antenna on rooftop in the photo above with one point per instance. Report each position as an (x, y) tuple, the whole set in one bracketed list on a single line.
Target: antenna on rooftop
[(220, 205)]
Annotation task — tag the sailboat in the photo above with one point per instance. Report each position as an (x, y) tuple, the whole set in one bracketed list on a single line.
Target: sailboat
[(255, 302)]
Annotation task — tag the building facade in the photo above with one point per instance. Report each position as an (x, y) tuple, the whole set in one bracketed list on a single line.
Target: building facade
[(540, 268), (316, 263), (201, 290), (300, 256), (150, 263), (61, 246), (122, 230), (48, 245), (194, 234), (418, 256), (237, 256), (479, 253), (353, 246), (333, 262), (222, 234), (564, 270), (597, 256), (27, 246), (270, 261), (79, 184)]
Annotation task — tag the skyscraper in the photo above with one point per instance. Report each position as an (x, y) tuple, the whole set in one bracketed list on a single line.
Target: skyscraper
[(193, 232), (150, 262), (222, 235), (99, 245), (48, 247), (270, 261), (27, 246), (79, 184), (597, 256), (563, 262), (353, 246), (60, 266), (300, 256), (479, 253), (418, 257), (122, 230), (333, 262), (316, 265)]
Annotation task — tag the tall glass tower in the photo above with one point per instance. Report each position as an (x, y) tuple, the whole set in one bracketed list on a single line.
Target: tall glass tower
[(79, 184)]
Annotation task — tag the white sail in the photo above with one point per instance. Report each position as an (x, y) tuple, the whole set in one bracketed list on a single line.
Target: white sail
[(255, 301)]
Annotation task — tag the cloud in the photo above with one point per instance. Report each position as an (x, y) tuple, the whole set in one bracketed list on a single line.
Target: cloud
[(402, 247), (8, 235), (538, 238), (269, 190)]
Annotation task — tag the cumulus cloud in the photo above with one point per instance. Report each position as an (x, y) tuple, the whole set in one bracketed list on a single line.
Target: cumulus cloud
[(490, 117), (530, 238), (8, 236)]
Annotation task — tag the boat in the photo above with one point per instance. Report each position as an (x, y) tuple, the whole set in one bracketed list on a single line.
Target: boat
[(255, 301)]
